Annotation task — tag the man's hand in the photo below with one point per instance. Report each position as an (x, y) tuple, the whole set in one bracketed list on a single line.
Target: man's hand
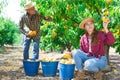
[(28, 36), (48, 18), (31, 34)]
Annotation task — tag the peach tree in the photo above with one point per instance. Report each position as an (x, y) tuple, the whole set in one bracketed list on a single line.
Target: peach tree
[(64, 32)]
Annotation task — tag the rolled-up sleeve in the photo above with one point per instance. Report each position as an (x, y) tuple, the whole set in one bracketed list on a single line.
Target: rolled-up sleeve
[(21, 26), (109, 38)]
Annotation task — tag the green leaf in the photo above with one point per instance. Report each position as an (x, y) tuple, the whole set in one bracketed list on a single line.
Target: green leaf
[(81, 7)]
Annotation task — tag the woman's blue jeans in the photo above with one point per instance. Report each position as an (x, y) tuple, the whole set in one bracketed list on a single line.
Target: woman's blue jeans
[(27, 42), (90, 63)]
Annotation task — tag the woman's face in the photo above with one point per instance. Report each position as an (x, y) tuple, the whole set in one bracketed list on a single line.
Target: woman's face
[(89, 27), (31, 11)]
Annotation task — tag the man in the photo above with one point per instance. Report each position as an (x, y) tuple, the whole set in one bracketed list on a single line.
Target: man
[(32, 21)]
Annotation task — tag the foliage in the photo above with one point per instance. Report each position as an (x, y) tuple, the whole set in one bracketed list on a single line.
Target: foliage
[(116, 32), (3, 3), (64, 32), (7, 31)]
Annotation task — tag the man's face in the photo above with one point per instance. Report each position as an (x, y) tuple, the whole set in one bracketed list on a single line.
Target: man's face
[(31, 11)]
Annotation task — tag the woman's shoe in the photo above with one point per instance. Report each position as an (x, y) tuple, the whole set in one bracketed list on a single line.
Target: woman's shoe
[(80, 75), (98, 75)]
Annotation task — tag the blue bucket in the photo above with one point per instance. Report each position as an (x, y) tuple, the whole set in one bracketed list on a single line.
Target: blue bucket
[(31, 67), (49, 68), (66, 71)]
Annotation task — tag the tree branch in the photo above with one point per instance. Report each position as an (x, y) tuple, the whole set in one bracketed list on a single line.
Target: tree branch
[(95, 7)]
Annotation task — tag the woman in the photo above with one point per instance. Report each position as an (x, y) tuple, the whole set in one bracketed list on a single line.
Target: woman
[(91, 55)]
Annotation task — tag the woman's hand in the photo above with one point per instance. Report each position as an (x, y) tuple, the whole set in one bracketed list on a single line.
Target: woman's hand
[(105, 25)]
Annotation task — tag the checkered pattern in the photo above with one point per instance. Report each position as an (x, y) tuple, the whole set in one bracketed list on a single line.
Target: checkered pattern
[(32, 23)]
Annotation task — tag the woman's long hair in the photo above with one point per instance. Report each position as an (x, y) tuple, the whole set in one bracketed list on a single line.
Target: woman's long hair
[(94, 37)]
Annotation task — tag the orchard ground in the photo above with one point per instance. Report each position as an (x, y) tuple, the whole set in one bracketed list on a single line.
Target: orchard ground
[(12, 58)]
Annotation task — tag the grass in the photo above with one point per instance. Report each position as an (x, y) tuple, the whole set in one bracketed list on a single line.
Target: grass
[(2, 50), (18, 40)]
